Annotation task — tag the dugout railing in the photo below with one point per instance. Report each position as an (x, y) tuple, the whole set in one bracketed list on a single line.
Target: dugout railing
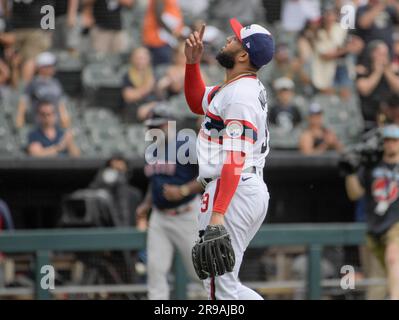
[(313, 236)]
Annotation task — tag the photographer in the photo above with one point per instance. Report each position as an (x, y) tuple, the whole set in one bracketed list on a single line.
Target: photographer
[(378, 183), (114, 178)]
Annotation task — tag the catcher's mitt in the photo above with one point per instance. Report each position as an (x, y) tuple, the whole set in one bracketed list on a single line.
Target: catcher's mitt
[(213, 254)]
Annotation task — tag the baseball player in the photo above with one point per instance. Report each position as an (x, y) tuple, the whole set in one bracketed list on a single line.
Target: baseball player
[(232, 146), (173, 197)]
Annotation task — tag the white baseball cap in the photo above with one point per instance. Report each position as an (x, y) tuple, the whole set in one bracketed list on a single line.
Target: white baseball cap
[(45, 59), (315, 108), (390, 132), (283, 83)]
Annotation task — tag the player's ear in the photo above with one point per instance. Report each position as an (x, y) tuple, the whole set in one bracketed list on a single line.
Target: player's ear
[(243, 56)]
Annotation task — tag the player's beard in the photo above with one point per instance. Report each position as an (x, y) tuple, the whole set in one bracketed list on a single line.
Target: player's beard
[(225, 59)]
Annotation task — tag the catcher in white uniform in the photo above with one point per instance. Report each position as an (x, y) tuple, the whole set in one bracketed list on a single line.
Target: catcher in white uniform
[(232, 146)]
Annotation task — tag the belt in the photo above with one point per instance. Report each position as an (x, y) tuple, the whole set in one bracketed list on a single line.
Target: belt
[(205, 181), (176, 211)]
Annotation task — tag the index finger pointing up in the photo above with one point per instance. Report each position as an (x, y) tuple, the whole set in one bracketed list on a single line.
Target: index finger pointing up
[(202, 31)]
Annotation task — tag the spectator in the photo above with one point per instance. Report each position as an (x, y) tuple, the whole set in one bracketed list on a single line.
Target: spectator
[(4, 74), (306, 41), (379, 184), (285, 64), (43, 87), (114, 178), (138, 83), (6, 40), (375, 81), (30, 38), (12, 60), (172, 83), (295, 13), (48, 139), (395, 56), (107, 35), (305, 48), (392, 109), (285, 114), (66, 33), (163, 24), (329, 64), (376, 21), (247, 12), (316, 138), (191, 13)]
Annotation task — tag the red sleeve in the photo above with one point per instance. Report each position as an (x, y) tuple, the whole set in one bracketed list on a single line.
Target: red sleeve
[(229, 179), (194, 88)]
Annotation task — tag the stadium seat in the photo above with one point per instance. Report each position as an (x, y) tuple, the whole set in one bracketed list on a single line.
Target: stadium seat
[(99, 116), (98, 74), (135, 138), (9, 102), (102, 85), (179, 108), (281, 139), (22, 136), (112, 60), (160, 70), (265, 76), (303, 105), (214, 74), (343, 116), (8, 146)]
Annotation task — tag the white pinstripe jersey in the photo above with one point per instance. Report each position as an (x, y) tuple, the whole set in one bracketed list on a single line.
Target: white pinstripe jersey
[(235, 119)]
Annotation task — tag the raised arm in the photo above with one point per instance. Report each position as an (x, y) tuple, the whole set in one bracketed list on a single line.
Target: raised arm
[(194, 86), (367, 19)]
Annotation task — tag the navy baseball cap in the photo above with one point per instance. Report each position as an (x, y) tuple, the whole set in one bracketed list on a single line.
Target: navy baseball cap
[(257, 41)]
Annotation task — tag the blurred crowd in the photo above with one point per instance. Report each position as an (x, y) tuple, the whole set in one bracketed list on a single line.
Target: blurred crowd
[(334, 76), (87, 85)]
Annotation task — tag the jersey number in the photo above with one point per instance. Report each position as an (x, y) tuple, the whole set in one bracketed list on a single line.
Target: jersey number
[(263, 102), (205, 202), (264, 145)]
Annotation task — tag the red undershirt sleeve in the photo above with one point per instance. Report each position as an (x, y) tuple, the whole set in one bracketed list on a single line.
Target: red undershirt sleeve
[(229, 179), (194, 88)]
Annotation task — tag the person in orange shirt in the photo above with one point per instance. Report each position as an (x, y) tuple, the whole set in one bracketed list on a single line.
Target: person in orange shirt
[(163, 24)]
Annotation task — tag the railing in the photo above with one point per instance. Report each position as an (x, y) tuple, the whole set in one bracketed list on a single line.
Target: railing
[(313, 236)]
